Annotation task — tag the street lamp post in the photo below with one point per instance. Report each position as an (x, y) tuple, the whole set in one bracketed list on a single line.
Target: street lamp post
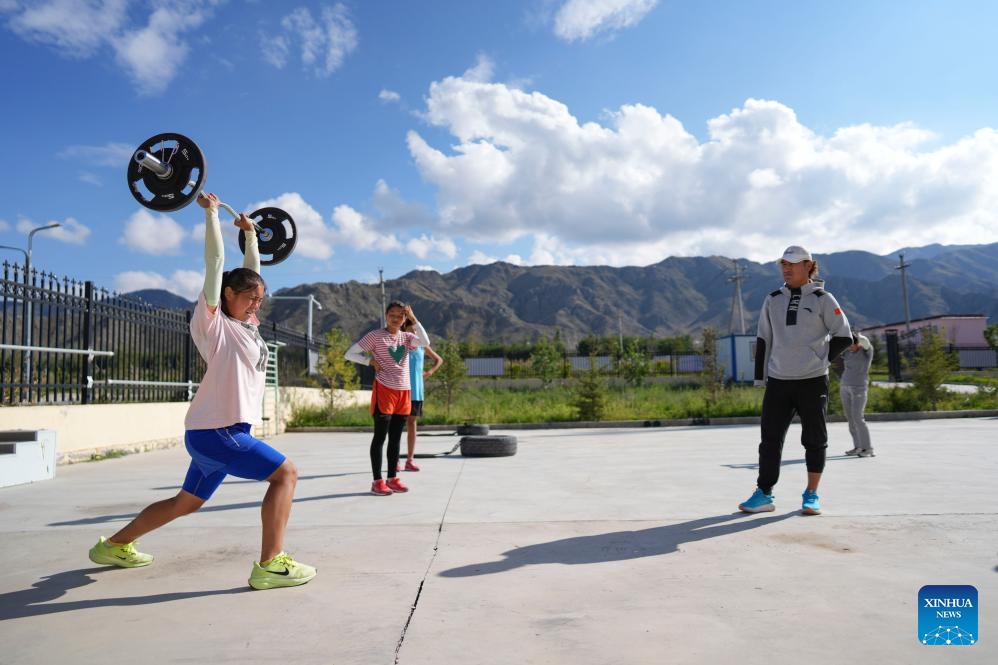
[(311, 301), (26, 358)]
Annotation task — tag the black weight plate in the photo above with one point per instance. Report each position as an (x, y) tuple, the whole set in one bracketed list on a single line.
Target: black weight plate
[(276, 235), (174, 191)]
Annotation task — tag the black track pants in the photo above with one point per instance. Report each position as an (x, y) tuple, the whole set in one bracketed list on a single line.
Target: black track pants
[(390, 425), (807, 398)]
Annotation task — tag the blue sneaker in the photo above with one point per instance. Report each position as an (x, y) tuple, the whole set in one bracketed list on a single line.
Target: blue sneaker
[(759, 502), (811, 505)]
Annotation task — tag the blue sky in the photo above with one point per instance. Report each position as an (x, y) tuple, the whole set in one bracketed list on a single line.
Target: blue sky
[(434, 134)]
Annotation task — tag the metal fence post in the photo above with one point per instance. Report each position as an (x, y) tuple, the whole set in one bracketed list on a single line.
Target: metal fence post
[(88, 341)]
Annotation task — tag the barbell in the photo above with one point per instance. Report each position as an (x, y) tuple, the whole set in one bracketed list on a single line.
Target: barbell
[(168, 171)]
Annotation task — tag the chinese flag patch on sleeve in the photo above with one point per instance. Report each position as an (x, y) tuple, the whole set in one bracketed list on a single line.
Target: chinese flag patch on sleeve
[(838, 311)]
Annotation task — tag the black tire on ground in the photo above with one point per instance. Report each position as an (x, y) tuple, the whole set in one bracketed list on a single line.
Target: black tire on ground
[(488, 446), (472, 430)]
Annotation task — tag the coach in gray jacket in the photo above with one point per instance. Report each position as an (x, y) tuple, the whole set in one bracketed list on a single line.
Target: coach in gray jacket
[(801, 329)]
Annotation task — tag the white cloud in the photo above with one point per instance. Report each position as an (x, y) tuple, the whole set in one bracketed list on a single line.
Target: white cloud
[(359, 232), (275, 49), (393, 211), (4, 226), (115, 155), (156, 53), (90, 178), (584, 19), (152, 234), (76, 28), (324, 42), (639, 186), (69, 230), (151, 55), (184, 283), (389, 96), (424, 246), (482, 71), (479, 257), (315, 239)]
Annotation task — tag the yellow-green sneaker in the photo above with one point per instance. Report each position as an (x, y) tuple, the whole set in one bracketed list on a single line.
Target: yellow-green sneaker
[(111, 554), (281, 571)]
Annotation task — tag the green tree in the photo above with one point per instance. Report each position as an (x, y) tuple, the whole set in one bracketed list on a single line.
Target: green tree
[(545, 361), (879, 354), (713, 373), (590, 394), (932, 365), (451, 374), (336, 372), (634, 364), (991, 335)]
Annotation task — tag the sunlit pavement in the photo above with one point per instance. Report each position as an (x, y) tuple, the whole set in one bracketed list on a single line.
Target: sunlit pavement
[(588, 546)]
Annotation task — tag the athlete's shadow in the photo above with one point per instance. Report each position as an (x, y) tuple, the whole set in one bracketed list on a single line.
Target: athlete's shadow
[(36, 600), (619, 545), (122, 517)]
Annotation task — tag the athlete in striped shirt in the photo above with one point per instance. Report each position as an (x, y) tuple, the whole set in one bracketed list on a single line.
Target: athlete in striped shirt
[(387, 350)]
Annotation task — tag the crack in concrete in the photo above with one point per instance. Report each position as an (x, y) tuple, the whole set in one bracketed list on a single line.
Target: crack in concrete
[(429, 565)]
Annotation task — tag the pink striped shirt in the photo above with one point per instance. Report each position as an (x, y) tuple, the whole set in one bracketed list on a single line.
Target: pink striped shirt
[(392, 353)]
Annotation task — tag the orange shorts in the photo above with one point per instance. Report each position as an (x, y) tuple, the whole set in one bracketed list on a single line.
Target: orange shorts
[(390, 402)]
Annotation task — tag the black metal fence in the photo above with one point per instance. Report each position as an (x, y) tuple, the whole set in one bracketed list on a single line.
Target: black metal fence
[(154, 358)]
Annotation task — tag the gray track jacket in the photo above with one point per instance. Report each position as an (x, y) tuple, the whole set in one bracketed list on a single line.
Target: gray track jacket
[(800, 332)]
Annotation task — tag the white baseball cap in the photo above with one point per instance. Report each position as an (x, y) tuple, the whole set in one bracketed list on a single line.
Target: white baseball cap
[(796, 254)]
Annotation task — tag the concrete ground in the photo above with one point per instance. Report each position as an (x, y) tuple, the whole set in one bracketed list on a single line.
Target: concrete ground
[(588, 546)]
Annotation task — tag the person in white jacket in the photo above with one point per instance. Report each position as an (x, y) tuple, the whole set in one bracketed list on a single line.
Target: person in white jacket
[(219, 421), (801, 329), (856, 361)]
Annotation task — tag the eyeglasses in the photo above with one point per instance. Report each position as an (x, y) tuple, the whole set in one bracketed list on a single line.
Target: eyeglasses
[(253, 299)]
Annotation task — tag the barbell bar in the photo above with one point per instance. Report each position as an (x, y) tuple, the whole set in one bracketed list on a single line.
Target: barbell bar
[(168, 171)]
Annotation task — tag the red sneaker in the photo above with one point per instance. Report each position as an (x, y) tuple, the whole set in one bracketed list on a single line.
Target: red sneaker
[(411, 466), (380, 488), (395, 485)]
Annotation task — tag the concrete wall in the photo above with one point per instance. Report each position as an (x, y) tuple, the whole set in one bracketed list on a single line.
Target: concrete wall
[(96, 429)]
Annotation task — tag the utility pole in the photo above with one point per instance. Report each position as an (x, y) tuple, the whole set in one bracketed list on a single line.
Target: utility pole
[(904, 291), (384, 303), (736, 301)]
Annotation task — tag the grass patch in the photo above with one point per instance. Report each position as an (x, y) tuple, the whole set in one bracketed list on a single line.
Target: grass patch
[(489, 402), (107, 454)]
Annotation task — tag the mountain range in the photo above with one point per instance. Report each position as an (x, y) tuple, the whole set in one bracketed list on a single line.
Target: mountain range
[(502, 302)]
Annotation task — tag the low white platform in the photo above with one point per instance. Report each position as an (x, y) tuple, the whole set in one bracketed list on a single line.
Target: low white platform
[(27, 456)]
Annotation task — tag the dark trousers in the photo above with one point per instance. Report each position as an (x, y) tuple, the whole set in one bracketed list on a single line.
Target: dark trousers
[(390, 425), (807, 398)]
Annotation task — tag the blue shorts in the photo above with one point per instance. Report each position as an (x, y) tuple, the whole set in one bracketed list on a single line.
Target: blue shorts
[(216, 453)]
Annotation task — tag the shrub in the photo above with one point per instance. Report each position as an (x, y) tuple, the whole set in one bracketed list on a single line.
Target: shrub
[(590, 394)]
